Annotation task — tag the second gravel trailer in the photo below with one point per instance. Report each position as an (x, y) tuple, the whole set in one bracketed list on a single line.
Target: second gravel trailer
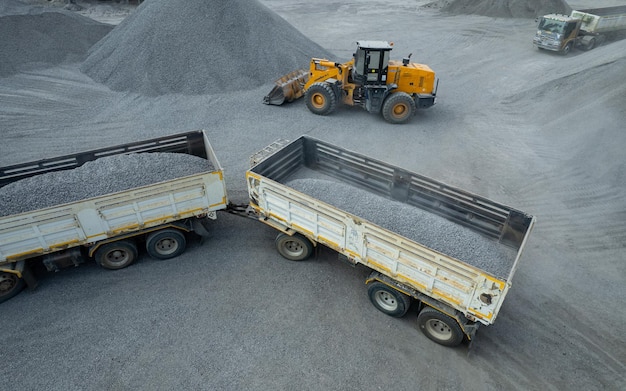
[(314, 193), (150, 192)]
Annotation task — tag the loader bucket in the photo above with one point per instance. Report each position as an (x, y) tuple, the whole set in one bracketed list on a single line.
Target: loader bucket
[(288, 88)]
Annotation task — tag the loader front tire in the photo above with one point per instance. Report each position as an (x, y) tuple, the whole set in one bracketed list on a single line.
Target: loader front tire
[(321, 99), (398, 108)]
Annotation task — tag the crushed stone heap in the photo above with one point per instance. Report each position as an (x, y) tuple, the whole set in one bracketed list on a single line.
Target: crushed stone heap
[(199, 47), (33, 36), (507, 8)]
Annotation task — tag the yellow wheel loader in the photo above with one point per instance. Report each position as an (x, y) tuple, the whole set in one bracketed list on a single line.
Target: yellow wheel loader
[(370, 80)]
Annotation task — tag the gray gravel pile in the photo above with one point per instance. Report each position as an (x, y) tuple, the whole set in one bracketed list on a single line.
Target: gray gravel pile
[(413, 223), (507, 8), (106, 175), (199, 47), (38, 36)]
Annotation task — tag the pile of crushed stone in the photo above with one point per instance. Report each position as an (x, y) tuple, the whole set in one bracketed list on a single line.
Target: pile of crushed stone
[(102, 176), (413, 223), (34, 36), (507, 8), (199, 47)]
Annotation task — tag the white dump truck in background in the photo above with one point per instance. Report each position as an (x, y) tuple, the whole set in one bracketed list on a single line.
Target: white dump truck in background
[(583, 29), (110, 227), (455, 296)]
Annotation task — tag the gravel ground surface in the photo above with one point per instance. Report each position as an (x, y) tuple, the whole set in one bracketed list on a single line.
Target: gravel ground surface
[(540, 132), (413, 223), (102, 176)]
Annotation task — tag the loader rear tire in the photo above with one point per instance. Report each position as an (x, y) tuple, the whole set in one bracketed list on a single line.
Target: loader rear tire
[(10, 285), (398, 108), (321, 99)]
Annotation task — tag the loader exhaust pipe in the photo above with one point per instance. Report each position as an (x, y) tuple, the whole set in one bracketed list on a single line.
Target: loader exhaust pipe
[(288, 88)]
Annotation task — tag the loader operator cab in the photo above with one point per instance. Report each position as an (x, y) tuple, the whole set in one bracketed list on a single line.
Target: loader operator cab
[(370, 62)]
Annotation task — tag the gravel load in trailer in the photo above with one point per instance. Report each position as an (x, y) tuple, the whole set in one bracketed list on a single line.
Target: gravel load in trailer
[(106, 175), (416, 224)]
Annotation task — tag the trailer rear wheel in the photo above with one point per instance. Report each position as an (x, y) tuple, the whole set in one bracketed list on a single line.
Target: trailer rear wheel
[(398, 108), (440, 327), (116, 255), (166, 244), (10, 285), (388, 300), (295, 247)]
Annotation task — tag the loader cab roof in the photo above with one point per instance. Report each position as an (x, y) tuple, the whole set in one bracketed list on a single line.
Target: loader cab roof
[(375, 45)]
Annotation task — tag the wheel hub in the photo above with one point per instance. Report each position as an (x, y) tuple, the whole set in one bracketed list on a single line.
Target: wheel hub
[(294, 248), (399, 110), (167, 246), (318, 100), (386, 301), (439, 329), (7, 283)]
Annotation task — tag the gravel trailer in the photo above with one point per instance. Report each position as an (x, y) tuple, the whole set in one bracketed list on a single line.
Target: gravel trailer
[(584, 29), (455, 294), (109, 227)]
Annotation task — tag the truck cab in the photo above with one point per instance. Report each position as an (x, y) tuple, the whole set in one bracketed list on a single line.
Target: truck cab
[(557, 33)]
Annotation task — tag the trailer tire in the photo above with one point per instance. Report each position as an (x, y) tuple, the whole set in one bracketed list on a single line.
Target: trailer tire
[(10, 285), (440, 327), (388, 300), (321, 99), (398, 108), (116, 255), (293, 248), (166, 244)]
